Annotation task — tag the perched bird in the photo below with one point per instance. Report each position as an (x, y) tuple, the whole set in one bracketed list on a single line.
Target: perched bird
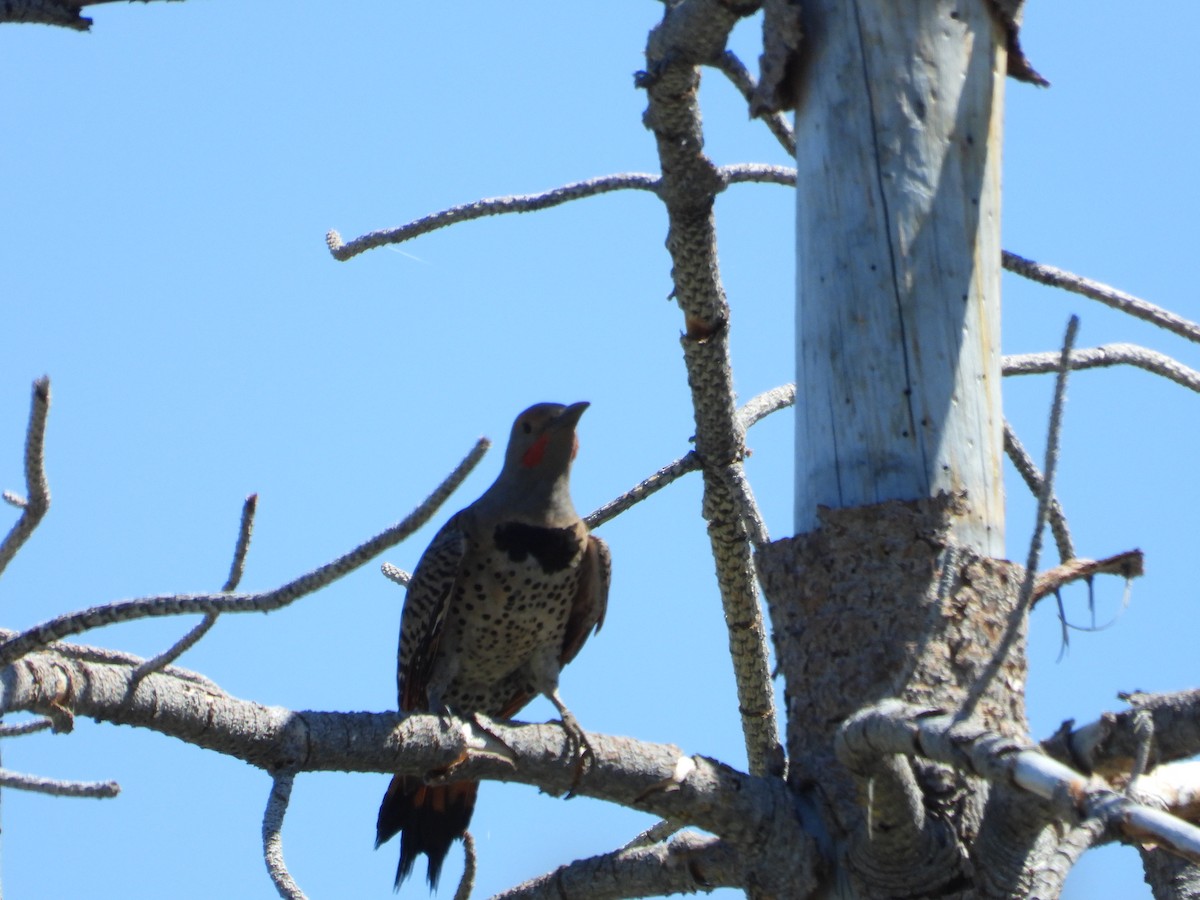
[(502, 599)]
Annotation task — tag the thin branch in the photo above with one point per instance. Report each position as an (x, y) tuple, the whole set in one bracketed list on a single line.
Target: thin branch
[(245, 529), (639, 492), (236, 568), (22, 728), (688, 863), (396, 574), (1128, 565), (761, 173), (1033, 479), (88, 653), (277, 804), (1106, 355), (466, 884), (265, 601), (1052, 442), (1110, 296), (747, 505), (737, 73), (493, 206), (758, 408), (896, 727), (755, 410), (37, 489), (655, 834), (97, 789)]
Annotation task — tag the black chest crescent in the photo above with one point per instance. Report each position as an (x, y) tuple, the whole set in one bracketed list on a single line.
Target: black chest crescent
[(553, 548)]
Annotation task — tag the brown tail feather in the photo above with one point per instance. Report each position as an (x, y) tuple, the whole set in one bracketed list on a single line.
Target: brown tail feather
[(429, 819)]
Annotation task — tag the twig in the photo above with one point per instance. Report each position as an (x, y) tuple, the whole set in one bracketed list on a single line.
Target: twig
[(277, 804), (264, 601), (761, 173), (1127, 565), (737, 73), (492, 206), (1106, 355), (37, 489), (88, 653), (1052, 442), (1110, 296), (1033, 479), (689, 462), (755, 410), (22, 728), (245, 530), (236, 568), (656, 833), (761, 406), (396, 574), (466, 884), (21, 781)]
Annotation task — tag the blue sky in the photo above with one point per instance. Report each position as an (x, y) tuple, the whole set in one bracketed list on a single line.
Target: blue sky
[(169, 180)]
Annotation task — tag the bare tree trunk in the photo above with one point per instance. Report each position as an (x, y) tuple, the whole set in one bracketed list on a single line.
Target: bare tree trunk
[(890, 592), (898, 128)]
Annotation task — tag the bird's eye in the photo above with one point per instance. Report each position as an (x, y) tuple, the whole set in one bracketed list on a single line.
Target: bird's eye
[(526, 427)]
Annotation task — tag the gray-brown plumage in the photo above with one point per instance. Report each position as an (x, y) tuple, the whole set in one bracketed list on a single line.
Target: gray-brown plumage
[(504, 597)]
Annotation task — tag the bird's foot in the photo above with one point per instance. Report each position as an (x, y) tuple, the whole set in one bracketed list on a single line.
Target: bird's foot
[(580, 748)]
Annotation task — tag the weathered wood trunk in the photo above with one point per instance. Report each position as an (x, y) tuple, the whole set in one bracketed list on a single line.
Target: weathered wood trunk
[(891, 588), (898, 136)]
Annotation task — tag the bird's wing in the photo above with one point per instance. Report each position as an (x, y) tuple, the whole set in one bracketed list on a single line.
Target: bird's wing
[(425, 607), (591, 598)]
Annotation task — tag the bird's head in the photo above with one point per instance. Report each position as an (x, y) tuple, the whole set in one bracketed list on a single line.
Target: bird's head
[(543, 441)]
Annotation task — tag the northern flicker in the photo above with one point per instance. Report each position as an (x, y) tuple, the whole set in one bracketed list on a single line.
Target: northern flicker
[(502, 599)]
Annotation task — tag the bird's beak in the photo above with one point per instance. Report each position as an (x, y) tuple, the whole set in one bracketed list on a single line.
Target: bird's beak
[(569, 417)]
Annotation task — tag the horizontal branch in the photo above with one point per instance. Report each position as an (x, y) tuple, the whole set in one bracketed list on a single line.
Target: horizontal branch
[(493, 206), (655, 778), (684, 865), (1127, 565), (1110, 296), (1107, 355), (1110, 745), (24, 782), (523, 203), (263, 601), (896, 727)]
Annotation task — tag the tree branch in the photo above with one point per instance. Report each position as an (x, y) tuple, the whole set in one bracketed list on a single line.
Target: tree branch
[(1127, 565), (37, 489), (1033, 479), (896, 727), (691, 33), (737, 73), (1047, 492), (1109, 746), (1106, 355), (277, 804), (755, 813), (53, 786), (1110, 296), (264, 601), (236, 568), (492, 206), (687, 863)]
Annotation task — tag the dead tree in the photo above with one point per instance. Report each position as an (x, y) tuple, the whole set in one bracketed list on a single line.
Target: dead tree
[(906, 767)]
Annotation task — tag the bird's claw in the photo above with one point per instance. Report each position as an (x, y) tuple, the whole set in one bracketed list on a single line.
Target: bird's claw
[(580, 748)]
